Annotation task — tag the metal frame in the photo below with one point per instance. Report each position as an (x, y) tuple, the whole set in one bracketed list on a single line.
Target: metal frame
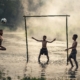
[(66, 16)]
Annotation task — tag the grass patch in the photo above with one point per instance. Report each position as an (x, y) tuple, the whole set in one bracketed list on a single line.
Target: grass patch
[(28, 78)]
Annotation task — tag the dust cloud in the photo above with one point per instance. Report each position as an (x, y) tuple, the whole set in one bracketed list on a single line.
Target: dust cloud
[(52, 26)]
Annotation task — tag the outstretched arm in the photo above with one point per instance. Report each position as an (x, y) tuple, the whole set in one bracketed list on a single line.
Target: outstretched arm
[(72, 46), (52, 40), (36, 39)]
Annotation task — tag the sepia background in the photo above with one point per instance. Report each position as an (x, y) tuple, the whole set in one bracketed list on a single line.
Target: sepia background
[(13, 60)]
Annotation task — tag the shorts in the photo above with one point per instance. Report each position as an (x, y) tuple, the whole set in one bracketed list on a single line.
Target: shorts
[(44, 51), (73, 54)]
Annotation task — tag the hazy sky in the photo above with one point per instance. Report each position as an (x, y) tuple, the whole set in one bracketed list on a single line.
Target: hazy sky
[(53, 7)]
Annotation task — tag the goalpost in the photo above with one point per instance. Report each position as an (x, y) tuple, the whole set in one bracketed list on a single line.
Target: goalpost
[(66, 18)]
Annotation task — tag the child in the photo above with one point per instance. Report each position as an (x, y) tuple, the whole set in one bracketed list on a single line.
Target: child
[(74, 51), (1, 39), (44, 47)]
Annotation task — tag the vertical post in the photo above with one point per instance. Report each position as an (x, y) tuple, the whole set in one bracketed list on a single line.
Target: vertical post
[(26, 38), (67, 36)]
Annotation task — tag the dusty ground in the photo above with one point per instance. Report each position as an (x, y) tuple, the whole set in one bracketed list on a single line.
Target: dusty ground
[(13, 60)]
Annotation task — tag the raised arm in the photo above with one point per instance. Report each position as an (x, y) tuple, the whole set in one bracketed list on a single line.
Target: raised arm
[(36, 39), (52, 40)]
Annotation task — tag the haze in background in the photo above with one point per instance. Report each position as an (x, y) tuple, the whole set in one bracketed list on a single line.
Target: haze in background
[(52, 26)]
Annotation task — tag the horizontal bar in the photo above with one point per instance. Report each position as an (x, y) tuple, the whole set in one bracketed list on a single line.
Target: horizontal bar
[(47, 16)]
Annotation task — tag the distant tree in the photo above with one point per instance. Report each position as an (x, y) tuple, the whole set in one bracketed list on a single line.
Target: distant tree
[(10, 9)]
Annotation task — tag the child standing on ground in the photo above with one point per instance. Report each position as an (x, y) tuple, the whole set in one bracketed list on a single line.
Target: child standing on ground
[(73, 52), (44, 46)]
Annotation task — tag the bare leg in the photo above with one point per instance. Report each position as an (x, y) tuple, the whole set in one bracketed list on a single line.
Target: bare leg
[(76, 63), (48, 58), (39, 57), (69, 59), (2, 48), (71, 62)]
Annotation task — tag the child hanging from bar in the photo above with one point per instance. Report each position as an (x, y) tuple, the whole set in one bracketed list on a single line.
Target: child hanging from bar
[(44, 47), (73, 52), (1, 39)]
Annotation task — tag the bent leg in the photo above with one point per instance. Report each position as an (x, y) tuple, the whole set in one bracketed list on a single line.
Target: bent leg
[(2, 48), (76, 63), (69, 59), (71, 62)]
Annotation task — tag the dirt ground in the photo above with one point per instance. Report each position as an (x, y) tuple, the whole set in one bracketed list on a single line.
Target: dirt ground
[(13, 60)]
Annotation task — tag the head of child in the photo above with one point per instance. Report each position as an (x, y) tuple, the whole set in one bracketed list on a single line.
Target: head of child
[(44, 37), (75, 36)]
